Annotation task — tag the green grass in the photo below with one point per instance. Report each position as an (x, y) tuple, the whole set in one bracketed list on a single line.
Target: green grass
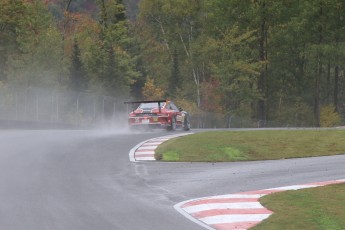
[(225, 146), (319, 208), (308, 209)]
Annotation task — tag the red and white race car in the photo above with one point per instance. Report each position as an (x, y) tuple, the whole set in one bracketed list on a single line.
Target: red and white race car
[(158, 114)]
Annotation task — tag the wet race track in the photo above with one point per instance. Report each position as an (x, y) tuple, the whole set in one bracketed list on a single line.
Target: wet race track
[(73, 180)]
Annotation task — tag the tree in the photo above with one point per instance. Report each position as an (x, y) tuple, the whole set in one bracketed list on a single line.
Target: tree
[(110, 64), (171, 25), (175, 81), (78, 80), (262, 40), (151, 91), (35, 56), (12, 14)]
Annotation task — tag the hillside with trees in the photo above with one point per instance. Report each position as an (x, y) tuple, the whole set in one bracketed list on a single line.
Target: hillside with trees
[(231, 63)]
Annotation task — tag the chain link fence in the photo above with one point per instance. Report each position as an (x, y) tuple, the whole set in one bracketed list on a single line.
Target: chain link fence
[(204, 119), (39, 107), (59, 107)]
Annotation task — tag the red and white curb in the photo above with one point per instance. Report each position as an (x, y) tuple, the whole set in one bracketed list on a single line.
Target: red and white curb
[(238, 211), (145, 151)]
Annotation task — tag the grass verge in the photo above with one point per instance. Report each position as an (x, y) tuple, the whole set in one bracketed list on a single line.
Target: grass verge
[(314, 208), (225, 146)]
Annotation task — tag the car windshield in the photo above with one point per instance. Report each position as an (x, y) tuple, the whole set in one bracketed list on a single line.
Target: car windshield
[(150, 105)]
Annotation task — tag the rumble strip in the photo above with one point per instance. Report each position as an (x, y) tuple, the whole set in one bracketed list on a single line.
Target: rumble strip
[(238, 211), (145, 150)]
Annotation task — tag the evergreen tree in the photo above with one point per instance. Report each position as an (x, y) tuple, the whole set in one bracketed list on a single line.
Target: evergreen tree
[(78, 80), (110, 77), (175, 81), (115, 67)]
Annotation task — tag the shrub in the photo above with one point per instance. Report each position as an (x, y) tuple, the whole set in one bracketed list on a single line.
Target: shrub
[(329, 117)]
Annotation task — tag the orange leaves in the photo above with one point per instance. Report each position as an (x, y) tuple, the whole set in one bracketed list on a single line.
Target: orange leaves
[(211, 99), (78, 22), (151, 91)]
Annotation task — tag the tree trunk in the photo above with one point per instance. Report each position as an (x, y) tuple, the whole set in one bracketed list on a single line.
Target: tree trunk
[(336, 88), (317, 93), (328, 99), (318, 74), (64, 27), (263, 72)]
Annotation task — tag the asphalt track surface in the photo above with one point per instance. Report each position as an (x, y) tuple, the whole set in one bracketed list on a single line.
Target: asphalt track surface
[(73, 180)]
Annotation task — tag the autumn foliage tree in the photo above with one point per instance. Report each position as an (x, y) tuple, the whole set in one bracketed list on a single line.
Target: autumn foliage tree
[(261, 62), (151, 91)]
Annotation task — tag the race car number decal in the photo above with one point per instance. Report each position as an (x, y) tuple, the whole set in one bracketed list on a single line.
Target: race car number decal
[(179, 118)]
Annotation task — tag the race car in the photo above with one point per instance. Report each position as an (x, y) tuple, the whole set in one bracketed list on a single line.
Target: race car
[(158, 114)]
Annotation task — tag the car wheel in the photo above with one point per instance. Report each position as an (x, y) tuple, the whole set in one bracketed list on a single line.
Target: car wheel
[(172, 126), (186, 123)]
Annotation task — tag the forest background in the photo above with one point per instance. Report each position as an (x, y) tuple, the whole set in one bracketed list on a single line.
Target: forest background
[(230, 63)]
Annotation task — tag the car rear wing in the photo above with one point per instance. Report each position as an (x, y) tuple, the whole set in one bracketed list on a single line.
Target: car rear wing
[(150, 101)]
